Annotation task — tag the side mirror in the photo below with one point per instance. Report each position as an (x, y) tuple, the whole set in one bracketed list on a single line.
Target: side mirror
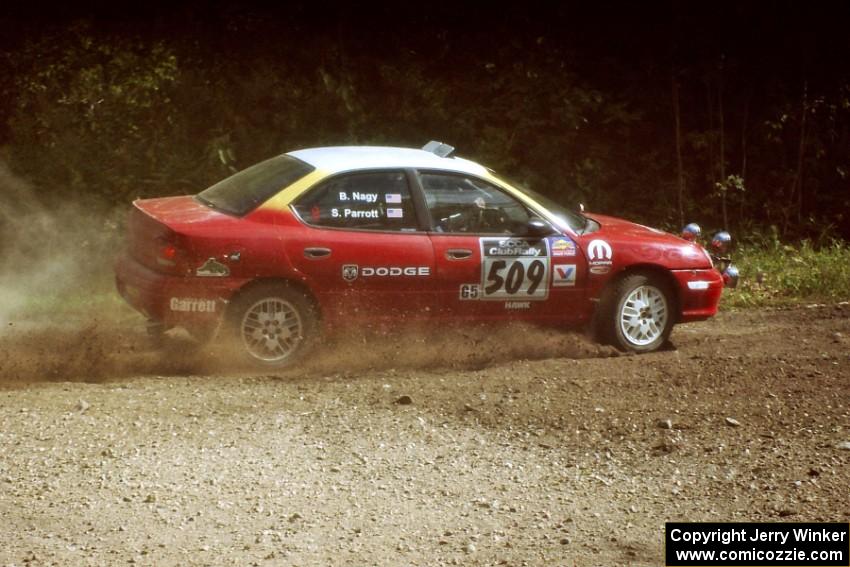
[(538, 227)]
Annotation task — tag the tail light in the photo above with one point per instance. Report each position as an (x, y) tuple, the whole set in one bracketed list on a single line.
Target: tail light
[(167, 255), (171, 257)]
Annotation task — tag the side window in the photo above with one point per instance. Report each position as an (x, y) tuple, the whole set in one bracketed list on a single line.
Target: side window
[(459, 203), (366, 201)]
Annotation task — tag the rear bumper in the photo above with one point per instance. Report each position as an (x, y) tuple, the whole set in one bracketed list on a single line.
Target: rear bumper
[(699, 293), (172, 300)]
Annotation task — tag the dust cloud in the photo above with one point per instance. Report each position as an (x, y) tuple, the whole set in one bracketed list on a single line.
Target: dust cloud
[(55, 282), (102, 350), (456, 347), (61, 319), (52, 259)]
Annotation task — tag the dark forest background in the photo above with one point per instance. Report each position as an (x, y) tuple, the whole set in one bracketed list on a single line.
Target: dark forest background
[(732, 114)]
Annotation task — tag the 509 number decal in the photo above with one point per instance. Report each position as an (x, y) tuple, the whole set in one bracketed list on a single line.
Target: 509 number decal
[(522, 277), (514, 268)]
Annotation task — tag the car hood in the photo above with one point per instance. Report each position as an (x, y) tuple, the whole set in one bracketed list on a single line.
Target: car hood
[(634, 243), (614, 227)]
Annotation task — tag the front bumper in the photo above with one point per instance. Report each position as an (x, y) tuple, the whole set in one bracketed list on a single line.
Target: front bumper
[(172, 300), (699, 293)]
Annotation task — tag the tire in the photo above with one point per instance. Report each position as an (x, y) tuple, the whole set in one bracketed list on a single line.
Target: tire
[(636, 314), (274, 325)]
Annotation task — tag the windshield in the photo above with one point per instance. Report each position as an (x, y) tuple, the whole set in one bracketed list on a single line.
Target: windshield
[(567, 217), (243, 192)]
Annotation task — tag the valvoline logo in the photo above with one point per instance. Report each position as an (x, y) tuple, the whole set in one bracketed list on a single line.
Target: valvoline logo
[(564, 275)]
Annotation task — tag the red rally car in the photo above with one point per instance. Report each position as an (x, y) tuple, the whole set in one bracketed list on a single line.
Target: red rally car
[(327, 238)]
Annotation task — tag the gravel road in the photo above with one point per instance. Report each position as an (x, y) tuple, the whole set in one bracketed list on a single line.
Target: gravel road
[(507, 448)]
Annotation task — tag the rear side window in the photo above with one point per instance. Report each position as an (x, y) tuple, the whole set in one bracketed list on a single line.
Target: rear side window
[(365, 201), (243, 192)]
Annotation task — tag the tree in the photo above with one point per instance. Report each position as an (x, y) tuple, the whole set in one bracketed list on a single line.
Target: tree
[(93, 113)]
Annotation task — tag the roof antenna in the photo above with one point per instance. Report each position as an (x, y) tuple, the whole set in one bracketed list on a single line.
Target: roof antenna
[(438, 148)]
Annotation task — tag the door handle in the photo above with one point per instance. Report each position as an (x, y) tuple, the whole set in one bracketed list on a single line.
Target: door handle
[(316, 253), (458, 253)]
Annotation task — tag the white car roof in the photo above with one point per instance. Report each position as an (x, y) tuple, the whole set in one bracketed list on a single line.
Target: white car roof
[(348, 158)]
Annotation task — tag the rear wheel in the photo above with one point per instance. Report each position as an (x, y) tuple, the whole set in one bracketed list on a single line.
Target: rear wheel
[(636, 314), (274, 325)]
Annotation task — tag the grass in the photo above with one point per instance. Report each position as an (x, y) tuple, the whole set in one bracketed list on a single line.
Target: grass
[(775, 274)]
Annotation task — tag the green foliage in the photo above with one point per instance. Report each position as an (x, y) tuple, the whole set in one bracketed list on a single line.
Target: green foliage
[(732, 183), (93, 117), (773, 273), (98, 113), (117, 117)]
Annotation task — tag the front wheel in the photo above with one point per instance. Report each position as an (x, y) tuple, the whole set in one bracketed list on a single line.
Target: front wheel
[(637, 314), (273, 324)]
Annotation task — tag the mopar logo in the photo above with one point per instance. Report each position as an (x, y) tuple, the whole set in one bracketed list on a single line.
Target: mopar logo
[(599, 252)]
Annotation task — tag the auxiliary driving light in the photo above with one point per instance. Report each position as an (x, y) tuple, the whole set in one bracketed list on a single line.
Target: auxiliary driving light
[(691, 232), (730, 276), (721, 242)]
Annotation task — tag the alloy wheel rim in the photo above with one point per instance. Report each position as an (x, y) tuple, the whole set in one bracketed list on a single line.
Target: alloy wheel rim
[(271, 329), (643, 315)]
